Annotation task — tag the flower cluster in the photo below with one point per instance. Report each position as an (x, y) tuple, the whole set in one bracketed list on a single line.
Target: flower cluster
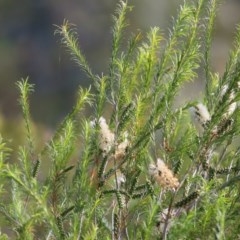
[(163, 175), (106, 137), (107, 140), (233, 105), (200, 116)]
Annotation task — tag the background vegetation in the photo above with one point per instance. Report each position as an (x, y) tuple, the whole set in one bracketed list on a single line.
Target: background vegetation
[(29, 48)]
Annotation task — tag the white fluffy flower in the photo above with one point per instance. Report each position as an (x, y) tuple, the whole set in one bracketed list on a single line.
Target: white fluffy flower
[(106, 137), (107, 140), (163, 175), (232, 107), (200, 117)]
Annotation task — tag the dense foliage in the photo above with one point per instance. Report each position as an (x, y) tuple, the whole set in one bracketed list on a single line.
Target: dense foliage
[(137, 167)]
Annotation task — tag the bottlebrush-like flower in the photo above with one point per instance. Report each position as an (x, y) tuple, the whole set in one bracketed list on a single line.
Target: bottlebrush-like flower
[(106, 137), (163, 175), (200, 116), (233, 105), (107, 140)]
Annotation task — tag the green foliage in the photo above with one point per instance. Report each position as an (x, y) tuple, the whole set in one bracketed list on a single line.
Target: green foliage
[(112, 178)]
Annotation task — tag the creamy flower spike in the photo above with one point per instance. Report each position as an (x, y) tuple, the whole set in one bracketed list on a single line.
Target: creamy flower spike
[(200, 116), (232, 107), (163, 175), (106, 137)]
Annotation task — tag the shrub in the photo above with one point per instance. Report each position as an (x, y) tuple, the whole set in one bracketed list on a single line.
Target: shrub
[(143, 168)]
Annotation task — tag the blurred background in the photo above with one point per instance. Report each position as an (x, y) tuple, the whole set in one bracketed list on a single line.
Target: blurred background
[(28, 47)]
